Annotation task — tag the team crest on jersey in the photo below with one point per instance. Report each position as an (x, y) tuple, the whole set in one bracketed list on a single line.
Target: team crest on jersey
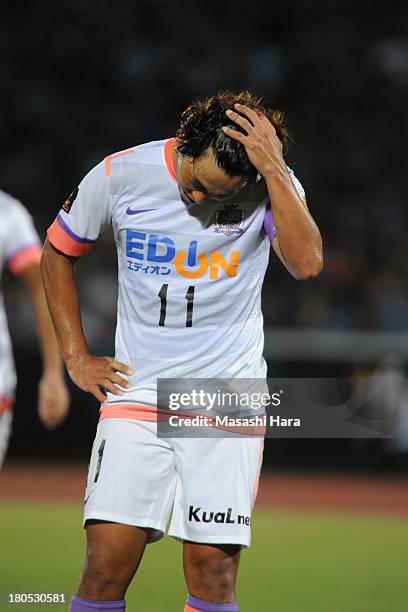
[(229, 220), (70, 200)]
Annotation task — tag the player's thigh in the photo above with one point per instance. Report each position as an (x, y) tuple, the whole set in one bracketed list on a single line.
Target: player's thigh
[(217, 481), (131, 478)]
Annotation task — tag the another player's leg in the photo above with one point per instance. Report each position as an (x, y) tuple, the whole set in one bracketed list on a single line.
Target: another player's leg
[(6, 418), (113, 555), (210, 571)]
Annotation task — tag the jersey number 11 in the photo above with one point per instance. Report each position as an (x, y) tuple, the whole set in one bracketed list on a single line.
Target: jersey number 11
[(163, 307)]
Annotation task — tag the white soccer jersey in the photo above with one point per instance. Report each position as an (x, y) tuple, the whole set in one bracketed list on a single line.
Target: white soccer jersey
[(19, 248), (190, 276)]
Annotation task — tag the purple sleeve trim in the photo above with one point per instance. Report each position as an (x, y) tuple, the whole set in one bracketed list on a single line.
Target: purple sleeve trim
[(211, 606), (269, 225), (70, 233)]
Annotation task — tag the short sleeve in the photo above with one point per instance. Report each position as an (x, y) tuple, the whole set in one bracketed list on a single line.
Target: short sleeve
[(298, 185), (269, 224), (84, 215), (22, 245)]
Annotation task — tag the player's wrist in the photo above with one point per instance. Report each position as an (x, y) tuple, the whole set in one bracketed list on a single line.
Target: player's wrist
[(54, 371), (53, 362), (276, 172), (74, 358)]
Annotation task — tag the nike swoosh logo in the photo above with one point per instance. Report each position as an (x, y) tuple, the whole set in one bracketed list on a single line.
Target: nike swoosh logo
[(130, 211)]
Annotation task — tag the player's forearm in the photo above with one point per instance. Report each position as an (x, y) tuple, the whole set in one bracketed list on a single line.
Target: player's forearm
[(297, 233), (51, 354), (63, 302)]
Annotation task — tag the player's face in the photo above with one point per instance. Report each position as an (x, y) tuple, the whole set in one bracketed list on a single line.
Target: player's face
[(201, 180)]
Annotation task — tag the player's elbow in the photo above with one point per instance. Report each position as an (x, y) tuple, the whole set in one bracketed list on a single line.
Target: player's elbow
[(310, 269)]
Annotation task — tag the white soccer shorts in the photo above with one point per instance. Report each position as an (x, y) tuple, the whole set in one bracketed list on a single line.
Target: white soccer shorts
[(207, 485)]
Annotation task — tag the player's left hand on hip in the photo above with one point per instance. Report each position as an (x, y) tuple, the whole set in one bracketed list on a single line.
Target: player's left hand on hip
[(53, 399), (261, 142)]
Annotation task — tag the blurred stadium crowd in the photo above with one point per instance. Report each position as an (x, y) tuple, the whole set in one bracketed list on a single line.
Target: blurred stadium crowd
[(81, 79)]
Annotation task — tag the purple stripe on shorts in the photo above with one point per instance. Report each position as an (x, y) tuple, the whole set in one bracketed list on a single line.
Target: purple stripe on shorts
[(68, 231), (269, 225), (211, 606)]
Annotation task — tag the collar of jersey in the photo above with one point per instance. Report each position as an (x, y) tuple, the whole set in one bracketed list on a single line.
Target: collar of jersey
[(168, 157)]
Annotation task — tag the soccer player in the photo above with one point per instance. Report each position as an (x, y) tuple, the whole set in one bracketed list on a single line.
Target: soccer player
[(20, 249), (193, 217)]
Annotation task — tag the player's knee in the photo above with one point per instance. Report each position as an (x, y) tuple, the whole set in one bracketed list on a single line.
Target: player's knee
[(213, 577), (113, 554), (104, 577)]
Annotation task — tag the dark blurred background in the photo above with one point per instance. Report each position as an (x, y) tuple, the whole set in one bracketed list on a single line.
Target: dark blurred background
[(82, 79)]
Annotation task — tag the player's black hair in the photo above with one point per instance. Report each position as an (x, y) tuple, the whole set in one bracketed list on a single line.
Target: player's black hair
[(201, 128)]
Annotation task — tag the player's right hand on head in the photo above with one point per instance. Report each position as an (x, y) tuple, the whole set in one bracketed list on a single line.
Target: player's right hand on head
[(91, 373)]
